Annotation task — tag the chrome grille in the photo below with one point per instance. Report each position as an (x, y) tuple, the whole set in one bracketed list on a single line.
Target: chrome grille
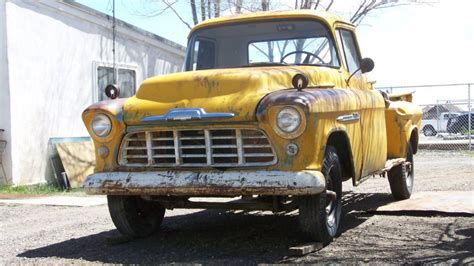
[(197, 148)]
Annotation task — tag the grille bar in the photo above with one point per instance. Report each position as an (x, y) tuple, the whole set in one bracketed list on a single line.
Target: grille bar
[(197, 148), (207, 137)]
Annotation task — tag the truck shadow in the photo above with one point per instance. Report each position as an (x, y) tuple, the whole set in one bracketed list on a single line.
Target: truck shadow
[(208, 236)]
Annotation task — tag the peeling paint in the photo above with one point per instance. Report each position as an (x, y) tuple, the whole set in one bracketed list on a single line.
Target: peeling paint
[(187, 183)]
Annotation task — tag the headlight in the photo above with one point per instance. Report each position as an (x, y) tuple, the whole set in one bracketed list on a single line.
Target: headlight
[(288, 119), (101, 125)]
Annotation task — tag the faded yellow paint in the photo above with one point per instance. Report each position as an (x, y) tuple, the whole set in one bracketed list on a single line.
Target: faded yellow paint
[(113, 110), (236, 90), (328, 18), (255, 94), (403, 119), (403, 96)]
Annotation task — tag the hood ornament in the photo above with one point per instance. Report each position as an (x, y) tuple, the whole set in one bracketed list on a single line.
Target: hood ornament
[(184, 114)]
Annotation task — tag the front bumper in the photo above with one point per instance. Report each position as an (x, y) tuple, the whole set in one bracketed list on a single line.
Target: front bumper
[(208, 183)]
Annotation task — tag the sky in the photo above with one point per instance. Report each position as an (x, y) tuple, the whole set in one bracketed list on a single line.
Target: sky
[(411, 45)]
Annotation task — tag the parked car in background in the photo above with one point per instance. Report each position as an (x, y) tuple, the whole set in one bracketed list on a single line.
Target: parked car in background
[(460, 124), (431, 127)]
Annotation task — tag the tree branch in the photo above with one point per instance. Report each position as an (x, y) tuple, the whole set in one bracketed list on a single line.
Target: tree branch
[(217, 8), (193, 10), (203, 10), (329, 5), (170, 6), (260, 50), (317, 4)]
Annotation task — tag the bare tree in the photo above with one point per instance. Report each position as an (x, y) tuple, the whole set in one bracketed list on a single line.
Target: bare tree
[(193, 8), (207, 9), (238, 6)]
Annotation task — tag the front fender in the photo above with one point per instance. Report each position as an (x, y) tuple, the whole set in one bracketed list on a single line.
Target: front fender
[(322, 107), (106, 148)]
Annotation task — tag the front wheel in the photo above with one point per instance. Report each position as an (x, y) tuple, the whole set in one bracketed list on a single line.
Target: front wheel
[(402, 176), (134, 216), (320, 215)]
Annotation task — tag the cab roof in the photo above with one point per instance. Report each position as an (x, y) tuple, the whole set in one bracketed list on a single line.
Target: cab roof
[(329, 18)]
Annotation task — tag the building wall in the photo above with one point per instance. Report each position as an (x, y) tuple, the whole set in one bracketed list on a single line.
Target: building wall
[(53, 57), (4, 96)]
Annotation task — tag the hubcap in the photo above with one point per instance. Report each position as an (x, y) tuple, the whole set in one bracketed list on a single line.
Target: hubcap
[(331, 199), (409, 174)]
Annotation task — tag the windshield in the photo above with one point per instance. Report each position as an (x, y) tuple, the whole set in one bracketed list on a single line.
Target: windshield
[(300, 42)]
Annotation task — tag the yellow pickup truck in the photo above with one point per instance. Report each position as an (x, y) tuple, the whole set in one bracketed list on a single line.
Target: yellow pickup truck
[(272, 110)]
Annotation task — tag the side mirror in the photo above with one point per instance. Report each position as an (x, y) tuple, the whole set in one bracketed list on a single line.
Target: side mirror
[(367, 65)]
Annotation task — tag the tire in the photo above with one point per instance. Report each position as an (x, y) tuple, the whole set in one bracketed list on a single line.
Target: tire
[(429, 131), (134, 216), (320, 215), (401, 177)]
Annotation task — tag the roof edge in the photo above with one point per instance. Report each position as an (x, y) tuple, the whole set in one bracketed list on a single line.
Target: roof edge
[(328, 17), (123, 24)]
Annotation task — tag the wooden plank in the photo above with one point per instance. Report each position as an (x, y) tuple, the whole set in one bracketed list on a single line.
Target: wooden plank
[(78, 159), (55, 160), (3, 175), (305, 249)]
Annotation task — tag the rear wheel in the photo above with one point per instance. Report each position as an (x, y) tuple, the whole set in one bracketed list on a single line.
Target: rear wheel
[(401, 177), (134, 216), (320, 214)]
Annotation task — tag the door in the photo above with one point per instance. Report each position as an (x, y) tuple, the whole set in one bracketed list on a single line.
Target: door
[(373, 139)]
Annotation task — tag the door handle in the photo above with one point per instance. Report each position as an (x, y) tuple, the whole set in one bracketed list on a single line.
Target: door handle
[(348, 118)]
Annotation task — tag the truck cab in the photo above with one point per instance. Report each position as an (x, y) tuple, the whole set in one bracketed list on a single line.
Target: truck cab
[(273, 109)]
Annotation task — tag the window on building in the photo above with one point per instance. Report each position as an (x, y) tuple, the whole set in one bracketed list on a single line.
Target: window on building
[(126, 80)]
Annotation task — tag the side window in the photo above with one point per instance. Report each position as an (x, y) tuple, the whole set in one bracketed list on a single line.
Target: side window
[(126, 80), (350, 54), (204, 55)]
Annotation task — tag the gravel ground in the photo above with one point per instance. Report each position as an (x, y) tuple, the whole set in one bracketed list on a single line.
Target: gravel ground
[(46, 234)]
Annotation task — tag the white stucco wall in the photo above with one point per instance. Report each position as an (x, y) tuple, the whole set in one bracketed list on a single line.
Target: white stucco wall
[(52, 59), (4, 95)]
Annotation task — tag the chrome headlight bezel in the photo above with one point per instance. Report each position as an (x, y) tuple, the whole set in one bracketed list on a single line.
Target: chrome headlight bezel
[(288, 119), (101, 125), (292, 113)]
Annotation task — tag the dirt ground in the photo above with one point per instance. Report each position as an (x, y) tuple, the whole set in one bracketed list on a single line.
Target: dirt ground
[(47, 234)]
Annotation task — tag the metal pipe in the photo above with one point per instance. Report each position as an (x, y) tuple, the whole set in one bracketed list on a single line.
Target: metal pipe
[(424, 86), (469, 115), (113, 41)]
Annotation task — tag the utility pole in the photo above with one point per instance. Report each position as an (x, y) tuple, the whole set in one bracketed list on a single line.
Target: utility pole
[(113, 41)]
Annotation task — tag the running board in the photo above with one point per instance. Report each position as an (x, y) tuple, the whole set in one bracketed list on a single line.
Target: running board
[(389, 164)]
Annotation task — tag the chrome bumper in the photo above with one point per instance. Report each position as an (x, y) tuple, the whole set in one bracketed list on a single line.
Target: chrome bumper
[(209, 183)]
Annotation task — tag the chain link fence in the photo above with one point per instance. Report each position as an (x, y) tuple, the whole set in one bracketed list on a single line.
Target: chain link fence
[(448, 114)]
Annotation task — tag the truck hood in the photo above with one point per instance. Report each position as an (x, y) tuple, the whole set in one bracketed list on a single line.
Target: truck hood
[(236, 91)]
